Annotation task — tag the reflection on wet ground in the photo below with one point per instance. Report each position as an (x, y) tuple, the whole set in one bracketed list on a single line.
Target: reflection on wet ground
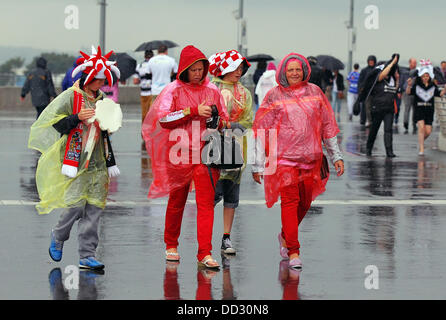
[(405, 241)]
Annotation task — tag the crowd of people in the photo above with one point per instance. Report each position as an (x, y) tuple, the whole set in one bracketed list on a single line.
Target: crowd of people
[(294, 113)]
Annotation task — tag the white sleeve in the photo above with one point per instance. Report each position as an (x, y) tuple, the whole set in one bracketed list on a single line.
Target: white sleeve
[(333, 150), (258, 154), (175, 66)]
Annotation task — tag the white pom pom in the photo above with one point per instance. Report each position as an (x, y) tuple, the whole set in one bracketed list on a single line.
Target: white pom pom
[(113, 171), (69, 171)]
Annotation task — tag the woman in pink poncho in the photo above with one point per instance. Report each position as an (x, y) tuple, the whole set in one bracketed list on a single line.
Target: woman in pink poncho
[(173, 131), (289, 128)]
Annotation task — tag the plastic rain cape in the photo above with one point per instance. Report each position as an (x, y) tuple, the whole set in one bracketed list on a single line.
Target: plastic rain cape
[(302, 117), (55, 189), (169, 171), (238, 103)]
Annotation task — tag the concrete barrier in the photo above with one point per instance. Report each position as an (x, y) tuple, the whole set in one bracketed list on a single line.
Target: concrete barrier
[(10, 97)]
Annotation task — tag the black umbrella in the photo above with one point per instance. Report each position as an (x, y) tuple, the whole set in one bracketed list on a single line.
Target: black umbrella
[(125, 63), (330, 62), (154, 45), (259, 57)]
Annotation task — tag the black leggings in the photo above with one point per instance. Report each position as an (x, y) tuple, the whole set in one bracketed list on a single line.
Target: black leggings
[(377, 118)]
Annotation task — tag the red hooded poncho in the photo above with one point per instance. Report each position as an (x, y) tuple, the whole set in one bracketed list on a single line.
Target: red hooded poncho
[(302, 117), (176, 149)]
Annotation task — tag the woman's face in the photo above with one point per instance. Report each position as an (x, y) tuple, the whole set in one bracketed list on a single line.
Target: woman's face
[(235, 75), (425, 77), (294, 73), (96, 84), (195, 72)]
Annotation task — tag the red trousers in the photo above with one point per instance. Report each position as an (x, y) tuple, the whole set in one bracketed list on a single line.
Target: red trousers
[(295, 201), (204, 197)]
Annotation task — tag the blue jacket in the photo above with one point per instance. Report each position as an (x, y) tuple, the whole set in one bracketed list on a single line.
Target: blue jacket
[(68, 81)]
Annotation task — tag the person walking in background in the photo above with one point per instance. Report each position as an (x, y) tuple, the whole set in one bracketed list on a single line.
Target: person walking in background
[(40, 83), (144, 79), (352, 93), (365, 115), (266, 82), (227, 69), (424, 91), (260, 69), (183, 107), (327, 82), (163, 68), (69, 80), (441, 81), (337, 93), (383, 97), (407, 99), (289, 128), (317, 75)]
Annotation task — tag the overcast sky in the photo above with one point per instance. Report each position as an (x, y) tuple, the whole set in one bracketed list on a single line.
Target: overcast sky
[(410, 27)]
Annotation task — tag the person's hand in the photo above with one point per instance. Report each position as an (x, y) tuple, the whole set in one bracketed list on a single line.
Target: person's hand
[(22, 99), (257, 176), (409, 82), (399, 95), (136, 81), (85, 114), (339, 167), (204, 111)]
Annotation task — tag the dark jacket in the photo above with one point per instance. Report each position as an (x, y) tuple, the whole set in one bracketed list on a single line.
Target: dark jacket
[(316, 75), (40, 83), (340, 82)]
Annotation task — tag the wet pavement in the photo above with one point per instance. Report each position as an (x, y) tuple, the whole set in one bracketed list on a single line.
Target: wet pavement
[(383, 220)]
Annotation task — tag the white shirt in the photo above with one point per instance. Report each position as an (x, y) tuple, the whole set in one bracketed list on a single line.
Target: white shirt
[(266, 82), (142, 69), (161, 67)]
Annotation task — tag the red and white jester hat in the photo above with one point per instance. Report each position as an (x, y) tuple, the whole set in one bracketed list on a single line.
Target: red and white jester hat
[(96, 66), (224, 62)]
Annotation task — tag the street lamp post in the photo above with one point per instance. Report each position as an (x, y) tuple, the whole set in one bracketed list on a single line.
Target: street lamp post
[(103, 4), (351, 37)]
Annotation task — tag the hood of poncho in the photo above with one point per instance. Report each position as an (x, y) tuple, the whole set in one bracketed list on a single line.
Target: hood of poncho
[(281, 71), (189, 55)]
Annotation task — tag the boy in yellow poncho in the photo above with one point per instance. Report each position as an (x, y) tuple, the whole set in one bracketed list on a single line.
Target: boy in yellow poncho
[(227, 69), (77, 160)]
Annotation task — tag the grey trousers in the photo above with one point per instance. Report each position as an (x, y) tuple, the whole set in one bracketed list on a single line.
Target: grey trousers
[(408, 102), (87, 228)]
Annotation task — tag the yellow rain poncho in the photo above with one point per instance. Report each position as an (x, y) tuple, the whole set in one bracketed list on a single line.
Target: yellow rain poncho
[(238, 102), (55, 189)]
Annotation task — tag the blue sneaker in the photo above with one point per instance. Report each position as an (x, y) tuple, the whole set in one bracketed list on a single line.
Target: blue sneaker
[(56, 248), (90, 263)]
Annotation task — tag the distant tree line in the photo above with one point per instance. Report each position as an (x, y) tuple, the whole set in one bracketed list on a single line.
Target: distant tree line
[(56, 62)]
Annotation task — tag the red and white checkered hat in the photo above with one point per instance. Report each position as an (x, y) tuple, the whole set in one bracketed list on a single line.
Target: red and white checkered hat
[(224, 62)]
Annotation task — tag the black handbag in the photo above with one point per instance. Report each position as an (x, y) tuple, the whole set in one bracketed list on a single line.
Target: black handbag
[(222, 151)]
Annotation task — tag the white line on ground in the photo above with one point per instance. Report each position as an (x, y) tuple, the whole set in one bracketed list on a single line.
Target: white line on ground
[(34, 119), (358, 202)]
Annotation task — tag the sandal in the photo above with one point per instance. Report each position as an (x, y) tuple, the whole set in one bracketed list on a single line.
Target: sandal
[(206, 263), (172, 256)]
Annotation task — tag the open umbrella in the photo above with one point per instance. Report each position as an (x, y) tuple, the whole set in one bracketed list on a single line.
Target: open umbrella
[(125, 63), (154, 45), (330, 62), (259, 57)]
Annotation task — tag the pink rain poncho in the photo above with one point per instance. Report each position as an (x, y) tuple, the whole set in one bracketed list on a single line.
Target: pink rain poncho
[(172, 168), (291, 123)]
